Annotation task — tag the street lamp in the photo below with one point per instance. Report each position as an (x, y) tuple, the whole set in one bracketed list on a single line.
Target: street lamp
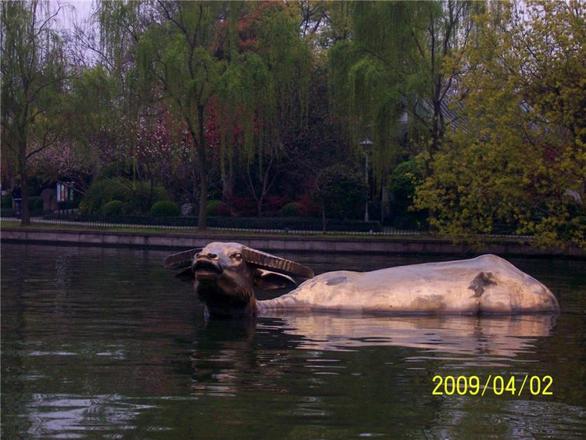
[(366, 145)]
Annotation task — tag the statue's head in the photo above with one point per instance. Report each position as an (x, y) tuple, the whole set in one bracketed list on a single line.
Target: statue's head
[(225, 275)]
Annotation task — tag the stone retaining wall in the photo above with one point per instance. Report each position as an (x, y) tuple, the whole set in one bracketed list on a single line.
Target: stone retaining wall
[(356, 245)]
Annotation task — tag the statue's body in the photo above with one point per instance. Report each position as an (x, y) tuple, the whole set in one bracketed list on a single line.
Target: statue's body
[(225, 275), (486, 284)]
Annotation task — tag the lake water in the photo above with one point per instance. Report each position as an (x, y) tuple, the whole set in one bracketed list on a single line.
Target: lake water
[(105, 343)]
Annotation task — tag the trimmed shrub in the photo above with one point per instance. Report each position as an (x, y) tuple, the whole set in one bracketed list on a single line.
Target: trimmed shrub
[(103, 191), (165, 208), (292, 209), (143, 197), (217, 208), (115, 207), (137, 197)]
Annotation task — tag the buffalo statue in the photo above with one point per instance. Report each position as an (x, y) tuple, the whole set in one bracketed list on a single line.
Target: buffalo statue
[(225, 276)]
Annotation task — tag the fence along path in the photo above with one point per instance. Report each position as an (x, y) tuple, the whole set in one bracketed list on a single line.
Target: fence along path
[(387, 231)]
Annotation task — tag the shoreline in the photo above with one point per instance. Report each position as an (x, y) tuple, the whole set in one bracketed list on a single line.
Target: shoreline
[(274, 242)]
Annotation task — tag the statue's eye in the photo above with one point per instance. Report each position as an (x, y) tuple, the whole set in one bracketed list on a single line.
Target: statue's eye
[(237, 256)]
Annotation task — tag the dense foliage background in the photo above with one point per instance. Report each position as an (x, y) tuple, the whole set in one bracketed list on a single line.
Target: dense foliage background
[(474, 112)]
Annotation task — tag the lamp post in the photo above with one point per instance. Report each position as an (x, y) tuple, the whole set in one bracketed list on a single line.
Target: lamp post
[(366, 145)]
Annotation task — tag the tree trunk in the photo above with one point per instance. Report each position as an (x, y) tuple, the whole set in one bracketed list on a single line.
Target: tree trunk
[(228, 181), (259, 206), (203, 171), (384, 203), (151, 193), (25, 219), (203, 199)]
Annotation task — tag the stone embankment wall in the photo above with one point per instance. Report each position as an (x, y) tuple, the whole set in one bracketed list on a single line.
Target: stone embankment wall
[(356, 245)]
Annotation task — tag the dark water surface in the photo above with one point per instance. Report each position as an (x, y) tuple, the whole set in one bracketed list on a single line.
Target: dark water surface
[(104, 343)]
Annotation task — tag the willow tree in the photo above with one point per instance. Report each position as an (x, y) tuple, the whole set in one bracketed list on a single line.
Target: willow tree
[(263, 93), (121, 25), (373, 75), (96, 122), (33, 74), (177, 58)]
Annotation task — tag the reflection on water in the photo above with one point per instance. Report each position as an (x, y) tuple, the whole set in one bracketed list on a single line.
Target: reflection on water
[(101, 343), (484, 338), (63, 415)]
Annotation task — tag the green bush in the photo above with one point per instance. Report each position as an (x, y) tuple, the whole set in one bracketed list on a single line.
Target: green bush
[(403, 181), (292, 209), (113, 208), (217, 208), (143, 196), (342, 192), (137, 197), (404, 178), (164, 208), (103, 191)]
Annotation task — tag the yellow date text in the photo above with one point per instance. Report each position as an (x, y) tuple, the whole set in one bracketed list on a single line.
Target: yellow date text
[(496, 385)]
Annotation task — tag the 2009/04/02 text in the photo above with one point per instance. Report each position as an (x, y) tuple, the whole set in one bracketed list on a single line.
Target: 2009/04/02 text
[(498, 385)]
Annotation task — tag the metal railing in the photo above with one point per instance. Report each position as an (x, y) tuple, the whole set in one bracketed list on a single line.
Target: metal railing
[(158, 225), (333, 227)]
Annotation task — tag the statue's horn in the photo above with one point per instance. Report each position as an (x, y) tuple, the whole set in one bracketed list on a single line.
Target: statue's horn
[(271, 262), (180, 260)]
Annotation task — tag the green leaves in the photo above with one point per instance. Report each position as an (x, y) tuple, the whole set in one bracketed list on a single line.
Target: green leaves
[(371, 75), (519, 157)]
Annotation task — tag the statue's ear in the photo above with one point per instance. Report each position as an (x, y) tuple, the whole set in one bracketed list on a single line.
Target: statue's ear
[(267, 280), (186, 275)]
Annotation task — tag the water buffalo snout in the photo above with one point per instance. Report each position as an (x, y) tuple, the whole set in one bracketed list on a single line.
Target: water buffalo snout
[(206, 268)]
